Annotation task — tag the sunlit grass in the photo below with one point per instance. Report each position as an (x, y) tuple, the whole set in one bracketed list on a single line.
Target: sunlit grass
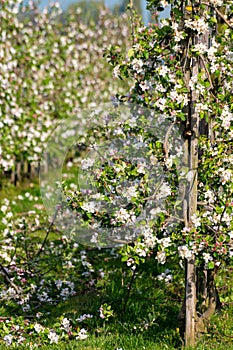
[(149, 318)]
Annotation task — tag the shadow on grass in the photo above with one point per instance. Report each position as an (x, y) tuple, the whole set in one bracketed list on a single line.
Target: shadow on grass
[(144, 324)]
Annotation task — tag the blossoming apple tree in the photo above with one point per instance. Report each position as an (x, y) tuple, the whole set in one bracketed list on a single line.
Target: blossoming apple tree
[(182, 70), (51, 64), (139, 191)]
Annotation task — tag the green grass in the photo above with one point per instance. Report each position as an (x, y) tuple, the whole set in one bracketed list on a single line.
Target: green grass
[(149, 303), (110, 342)]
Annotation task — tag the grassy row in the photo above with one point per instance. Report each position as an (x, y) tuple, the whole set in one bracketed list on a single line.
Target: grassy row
[(148, 320)]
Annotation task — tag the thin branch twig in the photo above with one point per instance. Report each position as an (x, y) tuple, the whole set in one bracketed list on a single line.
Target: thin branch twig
[(129, 289), (8, 278), (48, 230), (207, 73), (165, 144), (223, 18), (219, 13)]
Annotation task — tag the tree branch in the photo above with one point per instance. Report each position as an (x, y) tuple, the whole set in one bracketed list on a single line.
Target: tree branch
[(8, 278), (165, 144), (49, 230), (219, 13), (207, 73), (223, 18)]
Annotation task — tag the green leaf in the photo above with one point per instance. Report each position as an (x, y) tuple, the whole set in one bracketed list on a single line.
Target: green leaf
[(130, 53), (210, 265), (124, 258), (146, 54)]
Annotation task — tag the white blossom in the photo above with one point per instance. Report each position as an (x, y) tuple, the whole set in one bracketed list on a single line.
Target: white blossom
[(82, 334), (200, 47), (226, 117), (209, 195), (8, 339), (53, 337), (164, 3), (200, 25), (161, 103), (196, 220), (116, 71), (124, 216), (137, 65), (130, 192), (90, 207), (178, 35), (66, 324), (87, 163), (184, 252), (84, 317), (94, 238), (161, 257), (130, 262), (163, 70), (207, 257), (165, 276), (141, 168), (165, 242), (38, 327), (4, 208), (225, 175), (217, 2), (164, 191)]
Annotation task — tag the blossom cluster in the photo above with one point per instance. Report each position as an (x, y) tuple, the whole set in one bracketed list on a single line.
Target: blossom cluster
[(40, 280), (157, 62), (51, 66), (35, 334)]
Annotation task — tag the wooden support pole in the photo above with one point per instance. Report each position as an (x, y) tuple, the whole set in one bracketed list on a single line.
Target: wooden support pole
[(191, 70)]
